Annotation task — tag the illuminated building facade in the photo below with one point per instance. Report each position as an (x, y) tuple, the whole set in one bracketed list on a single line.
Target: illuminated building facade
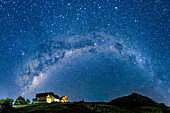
[(49, 97)]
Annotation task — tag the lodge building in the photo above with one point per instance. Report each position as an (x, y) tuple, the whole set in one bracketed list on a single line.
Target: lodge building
[(49, 97)]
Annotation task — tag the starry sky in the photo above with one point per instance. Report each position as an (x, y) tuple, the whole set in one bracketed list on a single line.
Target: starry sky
[(96, 50)]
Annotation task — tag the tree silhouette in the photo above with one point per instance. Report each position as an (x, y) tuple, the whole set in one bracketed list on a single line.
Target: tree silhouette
[(6, 103), (27, 101)]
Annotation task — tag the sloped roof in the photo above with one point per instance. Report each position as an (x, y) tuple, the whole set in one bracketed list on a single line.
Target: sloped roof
[(20, 98), (34, 99), (56, 96), (44, 94)]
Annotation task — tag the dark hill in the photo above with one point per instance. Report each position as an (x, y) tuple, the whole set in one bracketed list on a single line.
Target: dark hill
[(135, 100)]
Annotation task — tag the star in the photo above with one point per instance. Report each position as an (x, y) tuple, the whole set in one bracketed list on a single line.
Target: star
[(102, 47)]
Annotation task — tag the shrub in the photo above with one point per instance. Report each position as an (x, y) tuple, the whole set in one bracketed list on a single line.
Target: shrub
[(27, 101), (7, 104)]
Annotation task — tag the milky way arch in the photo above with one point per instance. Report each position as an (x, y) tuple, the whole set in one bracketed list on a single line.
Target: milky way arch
[(53, 51)]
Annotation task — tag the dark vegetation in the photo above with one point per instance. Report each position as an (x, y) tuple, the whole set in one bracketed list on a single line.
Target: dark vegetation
[(133, 103), (6, 103)]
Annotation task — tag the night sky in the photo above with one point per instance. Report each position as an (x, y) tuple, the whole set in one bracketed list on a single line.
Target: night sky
[(96, 50)]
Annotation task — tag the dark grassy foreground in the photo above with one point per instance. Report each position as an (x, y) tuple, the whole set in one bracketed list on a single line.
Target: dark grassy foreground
[(80, 108), (49, 108), (106, 108)]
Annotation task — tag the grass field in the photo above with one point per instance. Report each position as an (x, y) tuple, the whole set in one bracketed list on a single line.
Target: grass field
[(48, 108), (79, 108)]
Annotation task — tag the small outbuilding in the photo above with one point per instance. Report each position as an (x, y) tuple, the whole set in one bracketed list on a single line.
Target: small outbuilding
[(20, 100), (64, 99)]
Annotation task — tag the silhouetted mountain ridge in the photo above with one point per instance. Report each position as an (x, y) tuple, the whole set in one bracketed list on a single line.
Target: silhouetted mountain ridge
[(135, 100)]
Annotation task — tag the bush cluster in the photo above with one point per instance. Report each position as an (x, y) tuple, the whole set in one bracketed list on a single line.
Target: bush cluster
[(7, 104)]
